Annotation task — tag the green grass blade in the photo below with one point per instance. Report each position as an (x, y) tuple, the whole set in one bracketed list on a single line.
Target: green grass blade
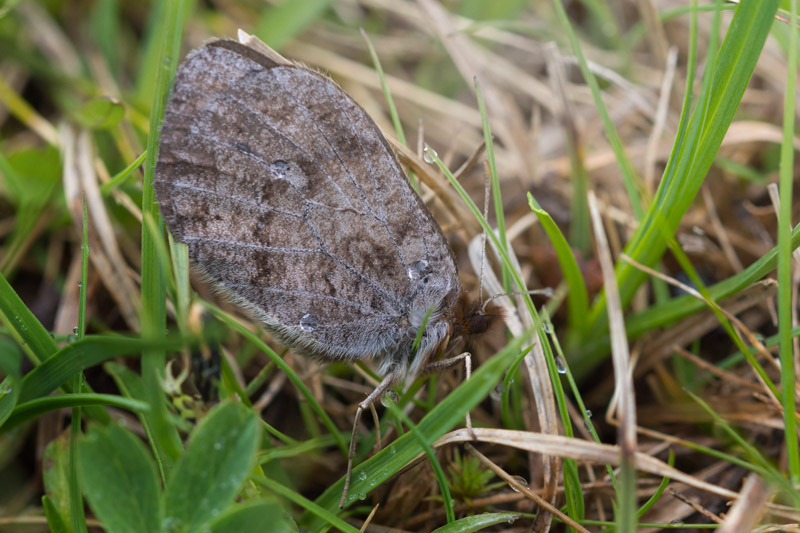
[(301, 387), (165, 441), (758, 462), (436, 423), (652, 500), (592, 353), (123, 174), (31, 410), (55, 521), (387, 95), (447, 500), (24, 327), (324, 516), (785, 297), (707, 126), (578, 295), (493, 177), (252, 515), (73, 358), (39, 406), (11, 386), (478, 522), (631, 179), (516, 278)]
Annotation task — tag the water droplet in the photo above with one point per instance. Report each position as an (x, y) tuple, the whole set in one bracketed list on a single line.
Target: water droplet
[(5, 389), (291, 172), (362, 476), (521, 481), (362, 495), (417, 318), (280, 168), (246, 149), (390, 398), (308, 323), (171, 523), (419, 270), (75, 330), (411, 333), (428, 155), (547, 327), (79, 283), (588, 413), (497, 393), (561, 367), (547, 292)]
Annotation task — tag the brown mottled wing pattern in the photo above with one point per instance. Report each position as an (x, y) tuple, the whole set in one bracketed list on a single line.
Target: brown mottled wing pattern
[(289, 198)]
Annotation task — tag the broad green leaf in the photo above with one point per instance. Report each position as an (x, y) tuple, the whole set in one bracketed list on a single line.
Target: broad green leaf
[(253, 517), (212, 470), (55, 521), (55, 473), (29, 175), (100, 114), (119, 479)]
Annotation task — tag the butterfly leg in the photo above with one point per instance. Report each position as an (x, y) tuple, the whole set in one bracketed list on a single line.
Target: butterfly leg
[(437, 367), (374, 395)]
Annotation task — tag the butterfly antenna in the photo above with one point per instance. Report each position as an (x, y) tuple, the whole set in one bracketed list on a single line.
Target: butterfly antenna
[(486, 193), (547, 292)]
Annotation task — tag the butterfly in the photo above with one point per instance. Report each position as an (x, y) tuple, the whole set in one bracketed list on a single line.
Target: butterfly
[(291, 201)]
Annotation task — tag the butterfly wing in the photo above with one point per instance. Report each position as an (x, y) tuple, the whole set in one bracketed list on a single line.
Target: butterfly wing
[(291, 200)]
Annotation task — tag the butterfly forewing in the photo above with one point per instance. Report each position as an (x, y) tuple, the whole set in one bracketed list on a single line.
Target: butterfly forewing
[(291, 200)]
